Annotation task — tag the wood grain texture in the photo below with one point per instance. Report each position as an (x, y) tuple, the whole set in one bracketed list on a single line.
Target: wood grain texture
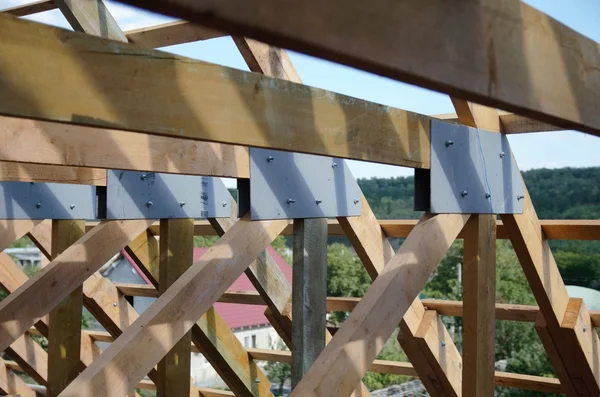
[(504, 54), (30, 8), (182, 102), (51, 173), (42, 293), (91, 17), (441, 373), (12, 230), (347, 357), (171, 33), (129, 358), (64, 334), (176, 256), (309, 294), (12, 384)]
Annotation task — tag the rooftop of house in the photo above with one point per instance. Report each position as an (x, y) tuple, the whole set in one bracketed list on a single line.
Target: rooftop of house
[(238, 315)]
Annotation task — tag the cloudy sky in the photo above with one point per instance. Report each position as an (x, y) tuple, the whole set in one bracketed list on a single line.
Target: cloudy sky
[(550, 150)]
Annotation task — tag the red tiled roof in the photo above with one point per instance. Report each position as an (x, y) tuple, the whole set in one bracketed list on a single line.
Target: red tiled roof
[(237, 315)]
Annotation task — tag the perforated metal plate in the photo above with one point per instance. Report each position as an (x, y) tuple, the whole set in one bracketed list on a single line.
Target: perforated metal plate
[(473, 171), (286, 185), (147, 195), (29, 200)]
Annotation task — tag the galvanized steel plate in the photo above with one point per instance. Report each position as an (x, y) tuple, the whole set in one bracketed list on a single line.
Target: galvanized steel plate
[(286, 185), (29, 200), (473, 171), (149, 195)]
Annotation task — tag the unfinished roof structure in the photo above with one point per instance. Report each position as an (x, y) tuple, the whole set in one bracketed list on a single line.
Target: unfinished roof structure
[(96, 121)]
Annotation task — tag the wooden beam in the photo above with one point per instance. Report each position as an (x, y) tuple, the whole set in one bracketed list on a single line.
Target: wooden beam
[(477, 39), (563, 324), (12, 230), (91, 17), (178, 104), (51, 173), (12, 384), (30, 8), (440, 372), (559, 229), (64, 334), (210, 335), (510, 123), (342, 363), (31, 357), (129, 358), (309, 294), (171, 33), (176, 256), (479, 276), (39, 295)]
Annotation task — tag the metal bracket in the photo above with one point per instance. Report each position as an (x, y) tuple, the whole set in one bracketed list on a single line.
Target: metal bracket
[(473, 171), (148, 195), (32, 200), (287, 185)]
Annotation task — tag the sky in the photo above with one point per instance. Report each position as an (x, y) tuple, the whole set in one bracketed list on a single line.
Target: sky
[(540, 150)]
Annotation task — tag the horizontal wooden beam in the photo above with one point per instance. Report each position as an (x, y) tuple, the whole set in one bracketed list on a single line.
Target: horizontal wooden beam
[(504, 54), (504, 311), (171, 33), (510, 123), (30, 8), (560, 229), (106, 84), (30, 141)]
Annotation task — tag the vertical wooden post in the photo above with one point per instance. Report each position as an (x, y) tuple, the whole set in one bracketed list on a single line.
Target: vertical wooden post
[(309, 294), (479, 293), (64, 332), (176, 256)]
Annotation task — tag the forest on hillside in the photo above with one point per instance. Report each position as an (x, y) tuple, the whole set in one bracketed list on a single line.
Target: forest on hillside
[(567, 193)]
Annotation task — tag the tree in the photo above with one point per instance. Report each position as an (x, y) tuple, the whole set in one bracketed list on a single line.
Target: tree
[(278, 373)]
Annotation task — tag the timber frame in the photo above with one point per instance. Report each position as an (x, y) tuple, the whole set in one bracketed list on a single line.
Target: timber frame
[(121, 104)]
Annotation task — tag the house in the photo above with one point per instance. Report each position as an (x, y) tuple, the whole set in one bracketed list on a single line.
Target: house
[(248, 322)]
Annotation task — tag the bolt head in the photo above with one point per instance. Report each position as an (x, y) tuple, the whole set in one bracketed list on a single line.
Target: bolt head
[(257, 380), (319, 201), (464, 193), (356, 201), (449, 143), (443, 344), (291, 201), (143, 176), (181, 203), (72, 206), (584, 328), (149, 204), (520, 197), (38, 205), (224, 203), (487, 195), (115, 304), (333, 165), (270, 158), (502, 154)]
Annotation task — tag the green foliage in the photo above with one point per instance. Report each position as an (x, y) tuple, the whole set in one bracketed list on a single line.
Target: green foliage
[(278, 373), (391, 351), (204, 241)]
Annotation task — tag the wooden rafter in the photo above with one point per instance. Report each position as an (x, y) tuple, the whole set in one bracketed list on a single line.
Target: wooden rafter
[(476, 39), (315, 121)]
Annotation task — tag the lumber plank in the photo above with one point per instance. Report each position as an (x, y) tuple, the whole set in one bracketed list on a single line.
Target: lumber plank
[(479, 277), (342, 363), (31, 357), (30, 8), (12, 230), (211, 336), (178, 104), (51, 173), (558, 229), (309, 294), (440, 374), (129, 358), (40, 294), (12, 384), (176, 256), (91, 17), (578, 348), (64, 333), (547, 80), (510, 123), (41, 236), (71, 145), (171, 33)]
